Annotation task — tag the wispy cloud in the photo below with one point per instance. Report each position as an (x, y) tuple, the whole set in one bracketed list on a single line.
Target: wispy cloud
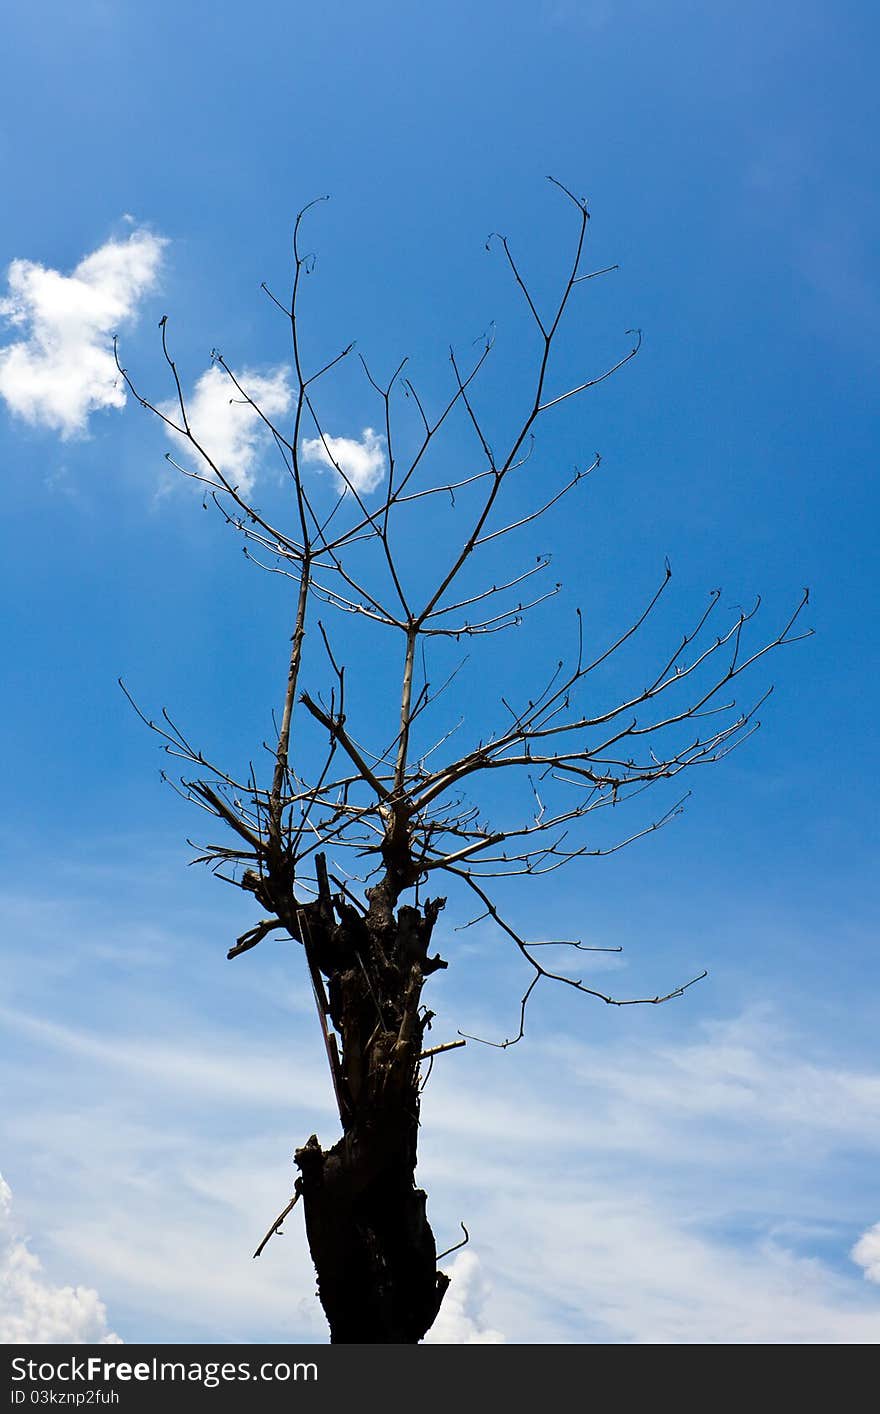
[(665, 1193), (672, 1182), (606, 1267), (229, 429), (61, 369), (358, 464), (32, 1310), (180, 1067)]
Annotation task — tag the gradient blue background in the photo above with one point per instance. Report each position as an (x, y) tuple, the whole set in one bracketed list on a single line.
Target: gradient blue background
[(728, 153)]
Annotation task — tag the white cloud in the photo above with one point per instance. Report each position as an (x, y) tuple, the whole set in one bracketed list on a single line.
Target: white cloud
[(362, 463), (627, 1270), (866, 1253), (32, 1310), (229, 429), (461, 1321), (676, 1191), (62, 367), (745, 1074), (178, 1066)]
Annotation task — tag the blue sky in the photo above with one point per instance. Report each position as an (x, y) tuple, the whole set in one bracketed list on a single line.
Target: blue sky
[(700, 1172)]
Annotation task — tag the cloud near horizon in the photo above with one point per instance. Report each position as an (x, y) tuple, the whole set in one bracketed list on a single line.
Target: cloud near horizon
[(32, 1310), (61, 369), (462, 1316), (642, 1188), (866, 1253)]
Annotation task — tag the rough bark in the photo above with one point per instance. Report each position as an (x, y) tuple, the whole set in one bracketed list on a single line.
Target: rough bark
[(368, 1233)]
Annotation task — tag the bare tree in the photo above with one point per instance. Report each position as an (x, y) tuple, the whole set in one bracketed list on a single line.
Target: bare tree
[(341, 844)]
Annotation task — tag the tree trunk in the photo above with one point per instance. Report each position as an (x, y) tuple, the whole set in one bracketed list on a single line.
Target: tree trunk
[(368, 1233)]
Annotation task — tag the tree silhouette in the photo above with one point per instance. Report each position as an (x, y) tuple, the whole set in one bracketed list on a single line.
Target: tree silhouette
[(345, 847)]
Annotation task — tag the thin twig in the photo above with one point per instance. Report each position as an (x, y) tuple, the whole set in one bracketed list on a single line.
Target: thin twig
[(276, 1226), (465, 1240)]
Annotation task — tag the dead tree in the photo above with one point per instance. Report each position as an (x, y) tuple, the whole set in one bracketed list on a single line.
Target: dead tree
[(408, 812)]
